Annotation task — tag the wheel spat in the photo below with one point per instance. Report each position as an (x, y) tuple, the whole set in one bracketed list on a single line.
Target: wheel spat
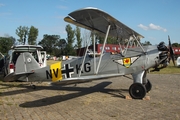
[(148, 86)]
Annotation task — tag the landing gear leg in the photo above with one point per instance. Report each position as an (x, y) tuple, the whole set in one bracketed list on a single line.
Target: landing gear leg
[(140, 86), (137, 91)]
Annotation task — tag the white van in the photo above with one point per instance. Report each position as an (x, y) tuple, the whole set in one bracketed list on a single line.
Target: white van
[(11, 58), (178, 61)]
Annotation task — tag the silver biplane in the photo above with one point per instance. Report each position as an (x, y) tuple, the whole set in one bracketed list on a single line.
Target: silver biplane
[(135, 61)]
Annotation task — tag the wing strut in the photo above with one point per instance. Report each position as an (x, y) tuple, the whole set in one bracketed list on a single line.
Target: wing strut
[(139, 43), (94, 53), (109, 26), (84, 58), (130, 44)]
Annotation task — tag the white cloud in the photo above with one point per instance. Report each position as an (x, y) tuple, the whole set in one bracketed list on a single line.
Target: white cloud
[(156, 27), (152, 27), (143, 27)]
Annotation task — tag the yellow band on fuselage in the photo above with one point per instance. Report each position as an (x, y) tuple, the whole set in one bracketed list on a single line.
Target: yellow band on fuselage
[(56, 71)]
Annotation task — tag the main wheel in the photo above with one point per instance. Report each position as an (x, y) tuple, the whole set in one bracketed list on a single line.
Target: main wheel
[(148, 85), (137, 91)]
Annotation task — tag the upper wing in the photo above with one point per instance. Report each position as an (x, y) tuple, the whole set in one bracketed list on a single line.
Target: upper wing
[(98, 20)]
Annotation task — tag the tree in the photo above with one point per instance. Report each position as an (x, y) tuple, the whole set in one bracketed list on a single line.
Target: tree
[(112, 40), (32, 35), (49, 43), (61, 45), (69, 50), (100, 39), (85, 37), (175, 45), (78, 37), (6, 43), (22, 32), (146, 43), (92, 38)]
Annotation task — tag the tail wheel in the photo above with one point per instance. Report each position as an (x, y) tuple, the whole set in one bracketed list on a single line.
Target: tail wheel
[(33, 86), (148, 85), (137, 91)]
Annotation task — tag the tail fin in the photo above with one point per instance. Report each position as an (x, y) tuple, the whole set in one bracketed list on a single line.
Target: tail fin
[(26, 63)]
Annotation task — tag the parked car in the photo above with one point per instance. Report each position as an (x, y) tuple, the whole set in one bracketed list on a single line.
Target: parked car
[(12, 56), (178, 61)]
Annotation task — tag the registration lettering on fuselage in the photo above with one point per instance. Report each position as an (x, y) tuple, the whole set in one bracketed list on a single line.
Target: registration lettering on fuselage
[(54, 73), (58, 72)]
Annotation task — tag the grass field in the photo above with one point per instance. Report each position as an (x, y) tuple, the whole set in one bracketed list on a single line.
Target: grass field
[(171, 69), (49, 62)]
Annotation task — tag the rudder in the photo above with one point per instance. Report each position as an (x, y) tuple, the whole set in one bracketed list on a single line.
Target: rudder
[(26, 63)]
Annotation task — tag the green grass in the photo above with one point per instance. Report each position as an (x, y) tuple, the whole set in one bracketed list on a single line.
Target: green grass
[(49, 62), (170, 69)]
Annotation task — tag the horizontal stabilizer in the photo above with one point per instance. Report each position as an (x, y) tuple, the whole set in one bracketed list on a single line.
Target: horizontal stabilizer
[(12, 76)]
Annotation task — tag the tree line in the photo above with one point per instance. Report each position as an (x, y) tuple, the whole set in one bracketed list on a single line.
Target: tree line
[(54, 44)]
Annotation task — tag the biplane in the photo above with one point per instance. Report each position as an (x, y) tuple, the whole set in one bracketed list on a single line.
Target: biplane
[(135, 61)]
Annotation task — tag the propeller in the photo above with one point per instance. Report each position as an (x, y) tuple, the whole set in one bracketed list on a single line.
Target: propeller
[(171, 52), (165, 56)]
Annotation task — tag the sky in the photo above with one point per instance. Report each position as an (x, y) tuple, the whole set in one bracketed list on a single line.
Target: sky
[(154, 19)]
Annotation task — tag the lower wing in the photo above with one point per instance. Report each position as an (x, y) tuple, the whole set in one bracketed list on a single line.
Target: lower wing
[(83, 79)]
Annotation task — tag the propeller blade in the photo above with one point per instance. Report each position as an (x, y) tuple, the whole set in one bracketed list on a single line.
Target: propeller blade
[(171, 51)]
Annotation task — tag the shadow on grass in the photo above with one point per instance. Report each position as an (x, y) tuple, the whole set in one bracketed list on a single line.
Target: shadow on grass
[(80, 92)]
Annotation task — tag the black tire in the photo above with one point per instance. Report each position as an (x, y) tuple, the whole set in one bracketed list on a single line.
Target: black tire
[(33, 87), (148, 86), (137, 91)]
